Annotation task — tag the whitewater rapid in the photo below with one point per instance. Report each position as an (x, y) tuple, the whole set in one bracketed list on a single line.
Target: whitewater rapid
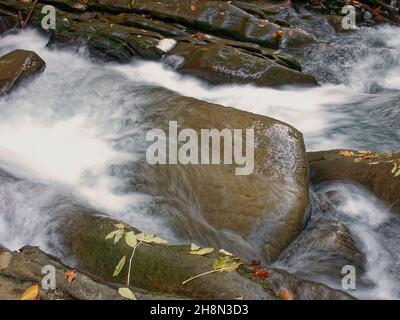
[(61, 133)]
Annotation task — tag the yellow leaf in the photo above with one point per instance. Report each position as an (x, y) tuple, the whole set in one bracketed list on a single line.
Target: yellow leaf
[(149, 238), (194, 247), (226, 264), (112, 234), (131, 239), (203, 251), (127, 293), (31, 293), (226, 253), (346, 153), (119, 266)]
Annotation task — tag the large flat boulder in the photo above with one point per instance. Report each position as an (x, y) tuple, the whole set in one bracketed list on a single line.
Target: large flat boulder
[(17, 66)]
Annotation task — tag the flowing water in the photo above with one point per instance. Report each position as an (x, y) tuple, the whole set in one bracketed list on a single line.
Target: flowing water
[(60, 133)]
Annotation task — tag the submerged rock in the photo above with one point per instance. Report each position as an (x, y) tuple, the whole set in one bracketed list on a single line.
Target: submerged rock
[(374, 173), (322, 250), (17, 66)]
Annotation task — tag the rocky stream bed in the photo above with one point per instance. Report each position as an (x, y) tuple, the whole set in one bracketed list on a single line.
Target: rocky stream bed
[(77, 193)]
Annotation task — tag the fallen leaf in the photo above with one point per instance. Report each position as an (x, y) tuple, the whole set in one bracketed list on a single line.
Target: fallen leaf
[(119, 266), (260, 273), (112, 234), (31, 293), (194, 247), (131, 239), (226, 253), (346, 153), (286, 294), (226, 264), (202, 252), (127, 293), (70, 275), (149, 238), (281, 33)]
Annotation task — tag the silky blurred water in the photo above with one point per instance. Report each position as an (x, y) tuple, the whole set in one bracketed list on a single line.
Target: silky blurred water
[(60, 133)]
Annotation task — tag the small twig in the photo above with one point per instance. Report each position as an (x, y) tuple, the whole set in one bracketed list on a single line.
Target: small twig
[(30, 13), (130, 264), (200, 275), (21, 19), (229, 268)]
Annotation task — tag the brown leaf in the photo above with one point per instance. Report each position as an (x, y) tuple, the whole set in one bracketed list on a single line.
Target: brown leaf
[(346, 153), (70, 275), (286, 294), (260, 273)]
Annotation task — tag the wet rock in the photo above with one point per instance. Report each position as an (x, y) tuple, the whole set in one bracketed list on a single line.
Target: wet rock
[(217, 17), (25, 269), (104, 40), (218, 64), (266, 207), (304, 289), (7, 23), (322, 250), (374, 174), (140, 21), (156, 267), (162, 268), (120, 31), (17, 66)]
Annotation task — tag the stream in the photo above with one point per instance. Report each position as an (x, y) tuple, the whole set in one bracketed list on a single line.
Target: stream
[(60, 134)]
